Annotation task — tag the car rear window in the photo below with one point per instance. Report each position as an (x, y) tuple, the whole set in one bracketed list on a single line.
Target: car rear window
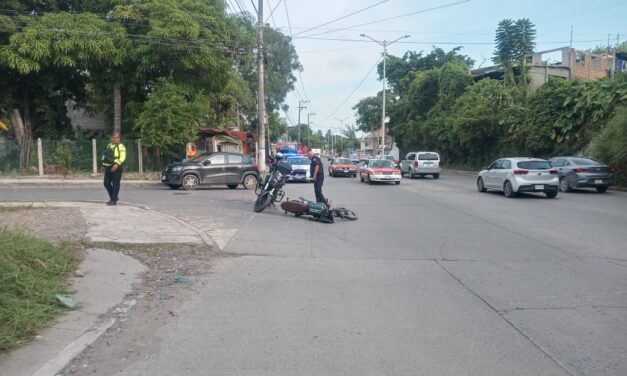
[(534, 165), (428, 157), (585, 162), (380, 163), (298, 161)]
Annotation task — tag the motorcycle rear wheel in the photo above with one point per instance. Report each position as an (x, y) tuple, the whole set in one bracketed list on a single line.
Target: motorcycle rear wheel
[(262, 202), (345, 213)]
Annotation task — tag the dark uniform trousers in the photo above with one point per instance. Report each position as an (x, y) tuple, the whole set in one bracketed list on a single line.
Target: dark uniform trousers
[(112, 182), (318, 188)]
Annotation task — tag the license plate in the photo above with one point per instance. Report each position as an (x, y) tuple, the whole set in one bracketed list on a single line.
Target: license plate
[(598, 182), (539, 186), (345, 170)]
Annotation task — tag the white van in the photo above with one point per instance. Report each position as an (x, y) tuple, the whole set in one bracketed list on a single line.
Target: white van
[(421, 163)]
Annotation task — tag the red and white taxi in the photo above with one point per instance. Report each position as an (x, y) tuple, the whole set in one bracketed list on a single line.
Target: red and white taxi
[(342, 167), (380, 170)]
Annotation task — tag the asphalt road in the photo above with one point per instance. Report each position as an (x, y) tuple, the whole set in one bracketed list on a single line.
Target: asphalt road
[(434, 278)]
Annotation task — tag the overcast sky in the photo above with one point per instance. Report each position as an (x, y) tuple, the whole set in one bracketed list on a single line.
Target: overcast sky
[(334, 69)]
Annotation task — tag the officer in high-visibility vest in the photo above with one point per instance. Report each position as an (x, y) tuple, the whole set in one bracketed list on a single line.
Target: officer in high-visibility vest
[(113, 162)]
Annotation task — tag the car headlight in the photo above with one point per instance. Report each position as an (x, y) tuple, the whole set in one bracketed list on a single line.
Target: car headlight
[(177, 169)]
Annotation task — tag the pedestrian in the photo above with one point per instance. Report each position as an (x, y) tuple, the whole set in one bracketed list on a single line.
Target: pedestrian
[(317, 174), (113, 162)]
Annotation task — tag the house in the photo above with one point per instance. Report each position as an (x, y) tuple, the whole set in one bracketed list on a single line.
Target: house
[(233, 140), (565, 62)]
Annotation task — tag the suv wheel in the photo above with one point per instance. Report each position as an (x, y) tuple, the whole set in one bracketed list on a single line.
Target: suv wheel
[(411, 173), (602, 188), (250, 181), (190, 182)]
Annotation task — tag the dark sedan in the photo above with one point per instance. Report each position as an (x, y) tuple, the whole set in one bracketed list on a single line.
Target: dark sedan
[(582, 172), (230, 169)]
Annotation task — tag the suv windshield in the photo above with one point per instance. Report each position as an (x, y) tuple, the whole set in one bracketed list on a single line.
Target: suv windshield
[(534, 165), (298, 161), (428, 157), (342, 161), (200, 157)]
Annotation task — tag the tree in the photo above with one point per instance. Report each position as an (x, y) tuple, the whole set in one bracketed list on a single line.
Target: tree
[(514, 40), (49, 57), (172, 115)]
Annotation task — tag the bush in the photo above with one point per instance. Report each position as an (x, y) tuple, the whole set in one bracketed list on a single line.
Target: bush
[(610, 145), (63, 156)]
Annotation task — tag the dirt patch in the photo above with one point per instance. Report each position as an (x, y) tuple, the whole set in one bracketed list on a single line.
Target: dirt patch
[(52, 224)]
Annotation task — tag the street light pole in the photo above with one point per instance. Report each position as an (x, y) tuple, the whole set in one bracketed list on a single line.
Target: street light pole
[(385, 45)]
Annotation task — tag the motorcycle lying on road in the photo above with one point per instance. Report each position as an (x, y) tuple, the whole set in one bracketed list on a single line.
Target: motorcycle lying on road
[(318, 211), (271, 189)]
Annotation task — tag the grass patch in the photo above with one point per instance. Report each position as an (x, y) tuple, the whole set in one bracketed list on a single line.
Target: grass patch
[(32, 271)]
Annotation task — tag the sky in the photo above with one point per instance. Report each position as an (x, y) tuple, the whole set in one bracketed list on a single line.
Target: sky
[(337, 74)]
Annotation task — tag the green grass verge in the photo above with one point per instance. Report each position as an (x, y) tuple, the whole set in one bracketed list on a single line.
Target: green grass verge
[(32, 271), (7, 209)]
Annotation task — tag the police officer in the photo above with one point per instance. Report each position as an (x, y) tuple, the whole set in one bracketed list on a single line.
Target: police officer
[(317, 174), (113, 162)]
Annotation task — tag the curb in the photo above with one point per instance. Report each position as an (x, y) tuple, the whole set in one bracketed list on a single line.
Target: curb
[(71, 182)]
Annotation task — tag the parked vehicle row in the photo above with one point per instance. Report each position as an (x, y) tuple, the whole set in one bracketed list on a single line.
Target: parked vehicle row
[(518, 175)]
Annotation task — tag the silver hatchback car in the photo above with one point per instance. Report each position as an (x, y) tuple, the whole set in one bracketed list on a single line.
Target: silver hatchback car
[(518, 175)]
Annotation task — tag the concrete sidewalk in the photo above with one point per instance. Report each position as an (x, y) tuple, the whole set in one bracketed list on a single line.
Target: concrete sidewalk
[(108, 277)]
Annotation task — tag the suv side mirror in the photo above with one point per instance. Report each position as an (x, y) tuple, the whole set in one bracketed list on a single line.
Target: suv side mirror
[(206, 163)]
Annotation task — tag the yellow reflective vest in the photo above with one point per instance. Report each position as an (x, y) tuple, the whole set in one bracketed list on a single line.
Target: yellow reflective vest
[(119, 154)]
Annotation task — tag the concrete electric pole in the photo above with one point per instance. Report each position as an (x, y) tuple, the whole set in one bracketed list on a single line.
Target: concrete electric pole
[(300, 108), (309, 126), (261, 115), (385, 45)]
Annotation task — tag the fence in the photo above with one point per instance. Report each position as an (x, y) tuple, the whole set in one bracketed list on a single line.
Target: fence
[(48, 157)]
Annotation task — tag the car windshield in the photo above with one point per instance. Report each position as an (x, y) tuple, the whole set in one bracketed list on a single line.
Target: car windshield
[(298, 161), (534, 165), (200, 157), (388, 157), (428, 157), (585, 162), (380, 163), (342, 161)]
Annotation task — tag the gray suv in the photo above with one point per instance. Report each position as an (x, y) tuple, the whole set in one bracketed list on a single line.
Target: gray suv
[(421, 163), (230, 169)]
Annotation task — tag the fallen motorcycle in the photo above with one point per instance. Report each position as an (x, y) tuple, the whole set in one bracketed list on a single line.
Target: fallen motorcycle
[(318, 211)]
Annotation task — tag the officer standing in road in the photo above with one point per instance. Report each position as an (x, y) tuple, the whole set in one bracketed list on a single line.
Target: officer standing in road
[(113, 161), (317, 174)]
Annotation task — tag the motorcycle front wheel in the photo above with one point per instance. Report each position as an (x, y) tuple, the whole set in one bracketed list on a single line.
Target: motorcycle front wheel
[(345, 213), (262, 202)]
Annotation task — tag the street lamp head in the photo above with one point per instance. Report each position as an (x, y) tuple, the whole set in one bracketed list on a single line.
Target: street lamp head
[(362, 35)]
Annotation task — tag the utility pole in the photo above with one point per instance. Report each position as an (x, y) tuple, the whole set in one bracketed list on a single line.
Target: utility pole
[(385, 45), (300, 108), (309, 126), (341, 126), (261, 127)]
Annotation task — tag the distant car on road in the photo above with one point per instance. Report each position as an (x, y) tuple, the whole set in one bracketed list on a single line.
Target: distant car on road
[(230, 169), (354, 158), (421, 163), (582, 172), (389, 158), (300, 168), (342, 167), (379, 170), (518, 175)]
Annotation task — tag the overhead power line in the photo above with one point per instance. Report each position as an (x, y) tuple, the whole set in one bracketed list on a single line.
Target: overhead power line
[(352, 92), (447, 42), (392, 18), (343, 17), (272, 12)]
